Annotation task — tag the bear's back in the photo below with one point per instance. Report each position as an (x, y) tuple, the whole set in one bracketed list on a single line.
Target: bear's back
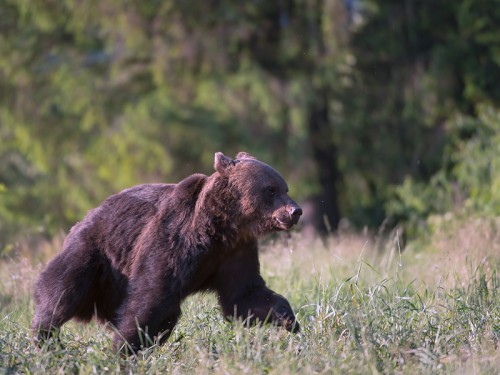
[(115, 225)]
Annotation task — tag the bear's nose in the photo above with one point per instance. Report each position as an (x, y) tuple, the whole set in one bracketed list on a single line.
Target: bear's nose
[(296, 212)]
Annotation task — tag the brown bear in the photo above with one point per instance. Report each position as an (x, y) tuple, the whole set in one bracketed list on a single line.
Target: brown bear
[(133, 259)]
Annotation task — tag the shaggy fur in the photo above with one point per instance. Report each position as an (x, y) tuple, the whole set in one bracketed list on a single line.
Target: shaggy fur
[(133, 259)]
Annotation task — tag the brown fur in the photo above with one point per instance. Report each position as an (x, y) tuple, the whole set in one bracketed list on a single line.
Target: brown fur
[(133, 259)]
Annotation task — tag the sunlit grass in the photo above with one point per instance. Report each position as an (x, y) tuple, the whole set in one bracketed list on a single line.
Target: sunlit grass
[(365, 305)]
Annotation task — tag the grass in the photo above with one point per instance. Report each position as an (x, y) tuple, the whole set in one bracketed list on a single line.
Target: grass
[(364, 307)]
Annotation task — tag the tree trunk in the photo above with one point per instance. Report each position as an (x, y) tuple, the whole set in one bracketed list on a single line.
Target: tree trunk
[(325, 213)]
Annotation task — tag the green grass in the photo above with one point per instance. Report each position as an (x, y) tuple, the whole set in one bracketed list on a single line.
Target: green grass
[(364, 308)]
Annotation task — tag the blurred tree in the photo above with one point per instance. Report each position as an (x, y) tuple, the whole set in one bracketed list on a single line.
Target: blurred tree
[(420, 64)]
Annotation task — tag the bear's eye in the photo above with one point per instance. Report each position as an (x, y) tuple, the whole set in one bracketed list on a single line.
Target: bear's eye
[(271, 191)]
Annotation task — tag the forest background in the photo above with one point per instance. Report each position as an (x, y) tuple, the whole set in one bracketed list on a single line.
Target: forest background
[(381, 114)]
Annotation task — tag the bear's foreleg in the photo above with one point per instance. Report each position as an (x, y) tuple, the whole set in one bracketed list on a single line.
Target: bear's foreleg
[(243, 292)]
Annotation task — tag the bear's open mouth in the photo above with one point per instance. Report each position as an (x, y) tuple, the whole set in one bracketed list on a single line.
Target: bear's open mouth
[(283, 225)]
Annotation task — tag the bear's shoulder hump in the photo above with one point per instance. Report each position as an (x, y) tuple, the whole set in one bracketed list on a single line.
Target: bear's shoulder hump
[(191, 185)]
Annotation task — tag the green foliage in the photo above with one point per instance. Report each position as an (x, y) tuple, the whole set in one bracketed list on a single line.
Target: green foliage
[(477, 162), (419, 67), (468, 183)]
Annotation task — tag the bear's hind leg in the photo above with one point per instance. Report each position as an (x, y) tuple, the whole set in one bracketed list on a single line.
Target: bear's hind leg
[(145, 322), (64, 291)]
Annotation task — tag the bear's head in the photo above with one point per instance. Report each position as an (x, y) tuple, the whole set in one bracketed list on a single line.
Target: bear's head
[(263, 202)]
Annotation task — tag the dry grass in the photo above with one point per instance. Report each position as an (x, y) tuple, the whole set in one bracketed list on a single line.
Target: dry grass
[(451, 256)]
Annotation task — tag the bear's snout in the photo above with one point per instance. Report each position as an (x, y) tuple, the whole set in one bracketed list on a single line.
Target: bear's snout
[(287, 216)]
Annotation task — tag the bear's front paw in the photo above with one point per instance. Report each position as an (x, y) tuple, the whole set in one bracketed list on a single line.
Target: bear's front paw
[(287, 320)]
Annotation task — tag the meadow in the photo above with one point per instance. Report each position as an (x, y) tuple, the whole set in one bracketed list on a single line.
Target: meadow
[(366, 304)]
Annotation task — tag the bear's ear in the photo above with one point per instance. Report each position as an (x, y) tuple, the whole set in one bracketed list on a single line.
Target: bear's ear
[(245, 155), (223, 164)]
